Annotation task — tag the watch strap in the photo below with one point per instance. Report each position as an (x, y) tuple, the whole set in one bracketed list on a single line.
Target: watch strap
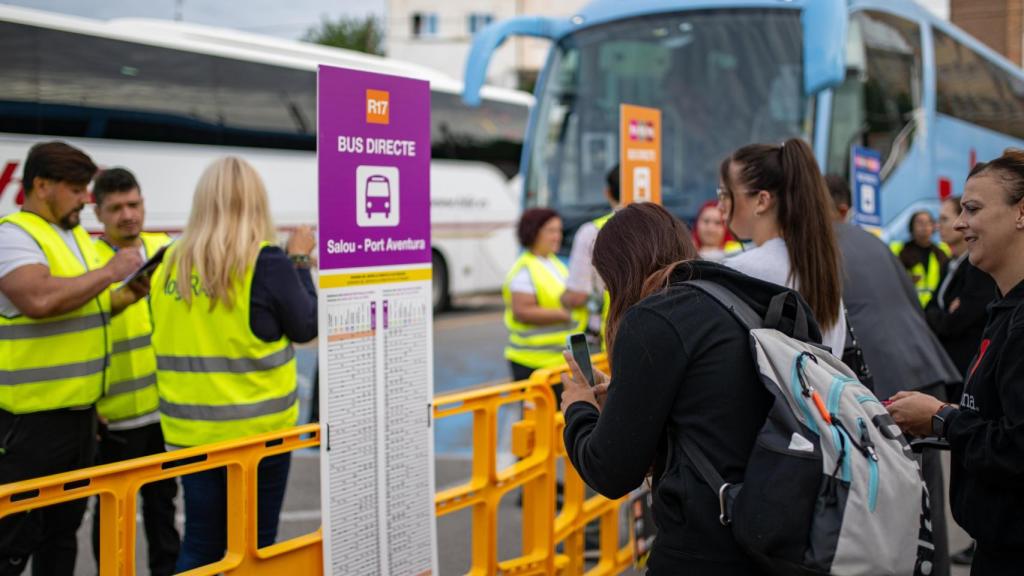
[(940, 421)]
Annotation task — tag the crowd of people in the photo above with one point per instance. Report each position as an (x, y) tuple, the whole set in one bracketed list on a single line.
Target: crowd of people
[(198, 352), (932, 327), (201, 350)]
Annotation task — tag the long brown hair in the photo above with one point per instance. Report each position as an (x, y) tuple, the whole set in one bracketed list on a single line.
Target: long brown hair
[(635, 254), (804, 212)]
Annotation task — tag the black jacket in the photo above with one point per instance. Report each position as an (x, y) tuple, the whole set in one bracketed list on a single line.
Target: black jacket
[(987, 433), (680, 365), (960, 331)]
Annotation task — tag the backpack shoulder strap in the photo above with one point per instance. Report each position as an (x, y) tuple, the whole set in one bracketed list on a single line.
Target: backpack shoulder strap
[(710, 476), (734, 304)]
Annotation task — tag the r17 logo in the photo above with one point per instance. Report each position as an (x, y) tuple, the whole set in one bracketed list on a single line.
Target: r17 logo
[(378, 107)]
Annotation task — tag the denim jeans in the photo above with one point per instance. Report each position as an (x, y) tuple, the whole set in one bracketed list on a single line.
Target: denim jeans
[(206, 511)]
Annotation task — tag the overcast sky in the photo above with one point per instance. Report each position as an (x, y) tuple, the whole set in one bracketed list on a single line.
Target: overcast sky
[(287, 18)]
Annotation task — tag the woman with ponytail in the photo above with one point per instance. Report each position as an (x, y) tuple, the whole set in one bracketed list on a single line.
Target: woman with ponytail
[(776, 196), (682, 369)]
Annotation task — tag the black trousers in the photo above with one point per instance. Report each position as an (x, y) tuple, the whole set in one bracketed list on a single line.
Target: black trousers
[(520, 372), (40, 444), (157, 497), (995, 561)]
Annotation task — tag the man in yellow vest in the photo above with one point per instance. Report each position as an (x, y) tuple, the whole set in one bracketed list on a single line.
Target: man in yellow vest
[(55, 309), (129, 406), (924, 260), (584, 286)]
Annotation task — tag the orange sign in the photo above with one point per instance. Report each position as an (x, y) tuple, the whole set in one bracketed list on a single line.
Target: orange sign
[(639, 154), (378, 107)]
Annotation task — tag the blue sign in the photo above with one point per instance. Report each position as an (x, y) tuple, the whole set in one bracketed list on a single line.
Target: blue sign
[(866, 184)]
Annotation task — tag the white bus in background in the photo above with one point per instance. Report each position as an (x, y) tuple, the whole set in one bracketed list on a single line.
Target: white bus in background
[(164, 99)]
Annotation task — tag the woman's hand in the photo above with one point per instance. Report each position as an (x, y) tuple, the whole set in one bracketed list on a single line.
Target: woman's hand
[(301, 242), (913, 412), (575, 387), (601, 387)]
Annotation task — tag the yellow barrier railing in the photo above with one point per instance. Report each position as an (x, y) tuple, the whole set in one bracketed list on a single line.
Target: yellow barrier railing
[(118, 484), (536, 441)]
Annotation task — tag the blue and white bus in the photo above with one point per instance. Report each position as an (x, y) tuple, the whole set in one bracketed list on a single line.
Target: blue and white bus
[(885, 74)]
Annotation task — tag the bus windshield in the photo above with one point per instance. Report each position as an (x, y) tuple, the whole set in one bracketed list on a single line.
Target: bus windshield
[(721, 78)]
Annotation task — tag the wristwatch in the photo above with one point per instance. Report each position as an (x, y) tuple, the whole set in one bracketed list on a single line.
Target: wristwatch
[(300, 260), (940, 418)]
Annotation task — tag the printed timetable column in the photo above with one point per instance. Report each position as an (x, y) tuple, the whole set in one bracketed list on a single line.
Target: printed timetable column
[(376, 348), (406, 327), (351, 416)]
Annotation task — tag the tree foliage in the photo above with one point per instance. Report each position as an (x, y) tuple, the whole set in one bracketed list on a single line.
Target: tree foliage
[(362, 34)]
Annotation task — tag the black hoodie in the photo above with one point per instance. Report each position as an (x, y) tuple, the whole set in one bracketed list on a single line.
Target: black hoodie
[(987, 433), (681, 364)]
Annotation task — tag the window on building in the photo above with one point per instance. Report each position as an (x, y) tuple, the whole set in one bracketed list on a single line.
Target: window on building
[(424, 24), (477, 21), (879, 103), (974, 89)]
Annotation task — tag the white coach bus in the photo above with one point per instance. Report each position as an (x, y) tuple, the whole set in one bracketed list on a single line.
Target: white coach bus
[(163, 99)]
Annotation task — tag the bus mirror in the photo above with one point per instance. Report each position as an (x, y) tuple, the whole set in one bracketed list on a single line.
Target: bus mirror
[(825, 23), (490, 38)]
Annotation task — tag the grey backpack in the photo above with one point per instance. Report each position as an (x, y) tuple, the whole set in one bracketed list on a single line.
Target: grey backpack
[(831, 486)]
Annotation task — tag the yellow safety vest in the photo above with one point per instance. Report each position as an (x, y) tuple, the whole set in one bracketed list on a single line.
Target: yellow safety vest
[(130, 390), (732, 247), (927, 280), (606, 300), (217, 380), (540, 346), (56, 362)]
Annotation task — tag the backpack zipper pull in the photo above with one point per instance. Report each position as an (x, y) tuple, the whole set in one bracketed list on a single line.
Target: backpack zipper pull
[(865, 441)]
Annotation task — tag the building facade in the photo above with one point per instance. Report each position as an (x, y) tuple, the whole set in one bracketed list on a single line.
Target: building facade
[(997, 23), (438, 34)]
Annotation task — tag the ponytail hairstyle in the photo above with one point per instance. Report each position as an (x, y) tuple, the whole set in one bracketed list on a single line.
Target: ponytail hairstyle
[(804, 212), (635, 254), (1010, 169)]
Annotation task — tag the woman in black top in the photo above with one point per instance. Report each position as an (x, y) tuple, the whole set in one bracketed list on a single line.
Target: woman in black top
[(986, 431), (681, 365)]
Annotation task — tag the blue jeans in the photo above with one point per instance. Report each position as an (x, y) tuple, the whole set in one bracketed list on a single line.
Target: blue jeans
[(206, 511)]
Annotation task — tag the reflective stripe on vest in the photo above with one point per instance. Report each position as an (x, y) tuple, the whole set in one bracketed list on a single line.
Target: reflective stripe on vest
[(606, 300), (57, 362), (131, 376), (540, 346), (217, 380)]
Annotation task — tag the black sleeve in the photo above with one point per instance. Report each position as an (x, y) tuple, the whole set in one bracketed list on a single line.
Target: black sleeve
[(613, 450), (996, 446), (283, 299), (978, 291)]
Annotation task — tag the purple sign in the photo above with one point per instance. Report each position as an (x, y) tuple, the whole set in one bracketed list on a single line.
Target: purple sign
[(373, 151)]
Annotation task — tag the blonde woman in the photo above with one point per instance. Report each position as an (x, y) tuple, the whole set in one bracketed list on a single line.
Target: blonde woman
[(227, 305)]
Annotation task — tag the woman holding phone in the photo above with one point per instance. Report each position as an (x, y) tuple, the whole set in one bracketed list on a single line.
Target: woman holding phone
[(681, 368), (986, 430)]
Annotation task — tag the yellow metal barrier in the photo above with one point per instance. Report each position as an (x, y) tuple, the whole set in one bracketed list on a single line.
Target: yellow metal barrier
[(578, 510), (118, 484), (536, 441)]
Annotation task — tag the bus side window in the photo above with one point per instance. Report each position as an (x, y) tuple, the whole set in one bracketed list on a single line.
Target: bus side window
[(880, 101), (974, 89)]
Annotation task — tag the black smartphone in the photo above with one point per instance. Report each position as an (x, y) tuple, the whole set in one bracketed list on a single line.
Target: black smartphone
[(147, 268), (577, 344)]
